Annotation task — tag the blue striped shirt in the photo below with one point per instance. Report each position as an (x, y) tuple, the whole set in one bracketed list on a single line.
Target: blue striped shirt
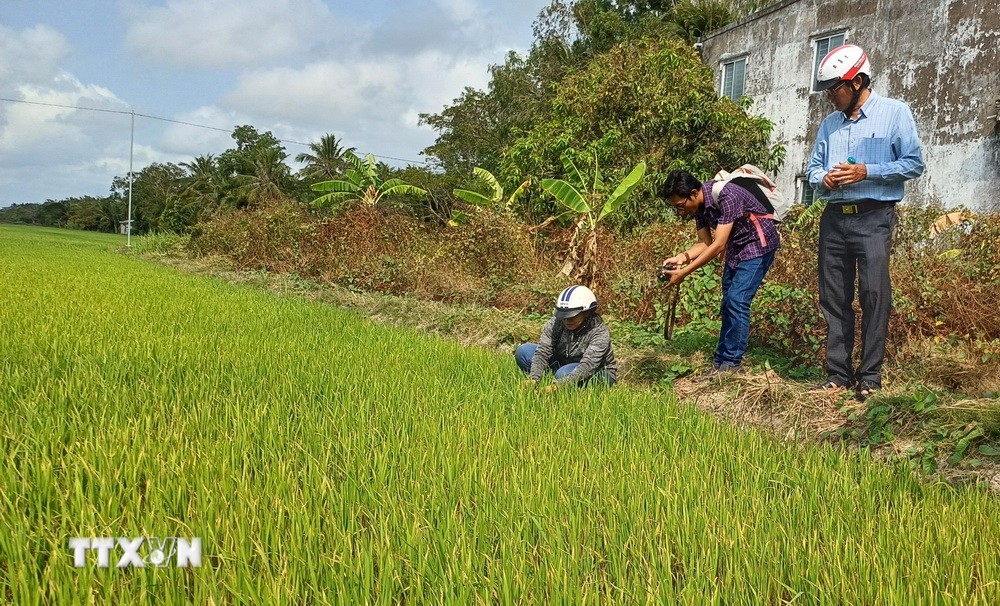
[(883, 138)]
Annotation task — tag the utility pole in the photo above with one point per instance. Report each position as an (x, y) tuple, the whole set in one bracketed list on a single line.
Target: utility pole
[(131, 146)]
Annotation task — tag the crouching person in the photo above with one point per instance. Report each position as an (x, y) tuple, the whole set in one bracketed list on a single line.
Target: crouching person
[(738, 224), (575, 344)]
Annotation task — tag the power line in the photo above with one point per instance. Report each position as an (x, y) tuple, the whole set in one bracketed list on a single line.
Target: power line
[(151, 117)]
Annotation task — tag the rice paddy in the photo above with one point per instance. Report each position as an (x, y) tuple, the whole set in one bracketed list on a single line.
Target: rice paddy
[(323, 459)]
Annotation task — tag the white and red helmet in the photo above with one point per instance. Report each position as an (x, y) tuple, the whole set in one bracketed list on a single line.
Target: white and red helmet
[(842, 64)]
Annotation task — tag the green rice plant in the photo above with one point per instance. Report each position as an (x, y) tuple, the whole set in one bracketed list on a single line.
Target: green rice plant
[(160, 243), (323, 459)]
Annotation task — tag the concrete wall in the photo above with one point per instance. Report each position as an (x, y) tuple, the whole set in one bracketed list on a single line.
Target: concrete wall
[(942, 58)]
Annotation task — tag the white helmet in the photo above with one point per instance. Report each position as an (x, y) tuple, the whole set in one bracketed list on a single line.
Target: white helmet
[(842, 64), (574, 300)]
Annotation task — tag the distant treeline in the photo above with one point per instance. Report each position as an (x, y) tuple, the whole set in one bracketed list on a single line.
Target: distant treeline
[(88, 213)]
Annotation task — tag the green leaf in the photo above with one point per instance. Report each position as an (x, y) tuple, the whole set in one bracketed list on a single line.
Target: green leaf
[(356, 177), (598, 181), (402, 188), (458, 218), (331, 199), (472, 197), (490, 180), (517, 194), (989, 451), (370, 169), (573, 174), (566, 194), (336, 185), (354, 161), (624, 190)]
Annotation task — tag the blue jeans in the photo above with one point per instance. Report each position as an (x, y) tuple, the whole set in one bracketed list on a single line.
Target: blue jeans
[(526, 352), (739, 285)]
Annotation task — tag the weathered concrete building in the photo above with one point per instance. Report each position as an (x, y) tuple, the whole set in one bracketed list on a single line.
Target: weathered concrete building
[(941, 57)]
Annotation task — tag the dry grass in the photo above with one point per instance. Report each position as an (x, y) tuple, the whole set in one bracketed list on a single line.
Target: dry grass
[(762, 398)]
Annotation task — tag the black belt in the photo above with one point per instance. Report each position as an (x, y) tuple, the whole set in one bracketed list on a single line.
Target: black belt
[(857, 208)]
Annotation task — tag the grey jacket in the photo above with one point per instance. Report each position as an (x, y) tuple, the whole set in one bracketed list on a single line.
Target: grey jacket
[(589, 345)]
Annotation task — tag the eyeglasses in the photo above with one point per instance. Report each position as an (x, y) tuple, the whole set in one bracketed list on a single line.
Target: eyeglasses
[(833, 89)]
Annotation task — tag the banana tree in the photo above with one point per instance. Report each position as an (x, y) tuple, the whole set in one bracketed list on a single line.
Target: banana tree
[(587, 198), (362, 183), (495, 199)]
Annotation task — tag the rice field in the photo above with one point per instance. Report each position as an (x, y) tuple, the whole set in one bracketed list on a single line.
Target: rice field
[(323, 459)]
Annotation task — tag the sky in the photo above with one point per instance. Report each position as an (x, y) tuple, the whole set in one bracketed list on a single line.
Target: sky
[(300, 69)]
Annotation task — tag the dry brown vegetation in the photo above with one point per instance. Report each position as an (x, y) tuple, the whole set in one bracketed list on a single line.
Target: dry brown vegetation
[(491, 283)]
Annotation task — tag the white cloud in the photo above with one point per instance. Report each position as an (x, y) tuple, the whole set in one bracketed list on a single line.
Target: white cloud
[(44, 122), (460, 10), (223, 33), (321, 92), (371, 101), (191, 141), (45, 146), (31, 56)]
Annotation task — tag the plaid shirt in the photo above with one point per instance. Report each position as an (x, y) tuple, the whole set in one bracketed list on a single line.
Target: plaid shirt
[(735, 205)]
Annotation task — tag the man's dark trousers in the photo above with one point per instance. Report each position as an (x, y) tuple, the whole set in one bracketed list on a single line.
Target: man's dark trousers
[(855, 246)]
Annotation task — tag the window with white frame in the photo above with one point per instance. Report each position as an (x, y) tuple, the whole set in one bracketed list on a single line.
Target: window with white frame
[(807, 195), (734, 78), (824, 46)]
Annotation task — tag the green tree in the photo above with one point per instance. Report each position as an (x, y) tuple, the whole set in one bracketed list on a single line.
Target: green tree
[(477, 127), (247, 170), (326, 160), (494, 199), (267, 180), (691, 19), (651, 100), (152, 187), (95, 214), (203, 180), (363, 184), (589, 200)]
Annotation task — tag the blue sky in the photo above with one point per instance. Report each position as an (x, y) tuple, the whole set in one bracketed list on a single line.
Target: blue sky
[(297, 68)]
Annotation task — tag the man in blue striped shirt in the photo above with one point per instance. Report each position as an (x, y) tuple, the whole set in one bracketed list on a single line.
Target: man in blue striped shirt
[(864, 153)]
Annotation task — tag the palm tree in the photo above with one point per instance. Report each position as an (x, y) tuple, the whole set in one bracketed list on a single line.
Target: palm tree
[(326, 161), (691, 19), (203, 185), (267, 183), (363, 183)]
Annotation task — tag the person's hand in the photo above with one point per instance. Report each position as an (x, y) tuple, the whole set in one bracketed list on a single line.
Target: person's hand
[(675, 260), (549, 388), (846, 174), (851, 173), (530, 383), (830, 181), (676, 276)]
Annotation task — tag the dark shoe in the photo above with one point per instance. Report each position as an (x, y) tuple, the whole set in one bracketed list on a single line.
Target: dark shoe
[(727, 368), (708, 375), (717, 372), (866, 389), (829, 386)]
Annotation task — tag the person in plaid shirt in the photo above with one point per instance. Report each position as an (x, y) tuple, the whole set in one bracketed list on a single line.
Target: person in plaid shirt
[(738, 224)]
